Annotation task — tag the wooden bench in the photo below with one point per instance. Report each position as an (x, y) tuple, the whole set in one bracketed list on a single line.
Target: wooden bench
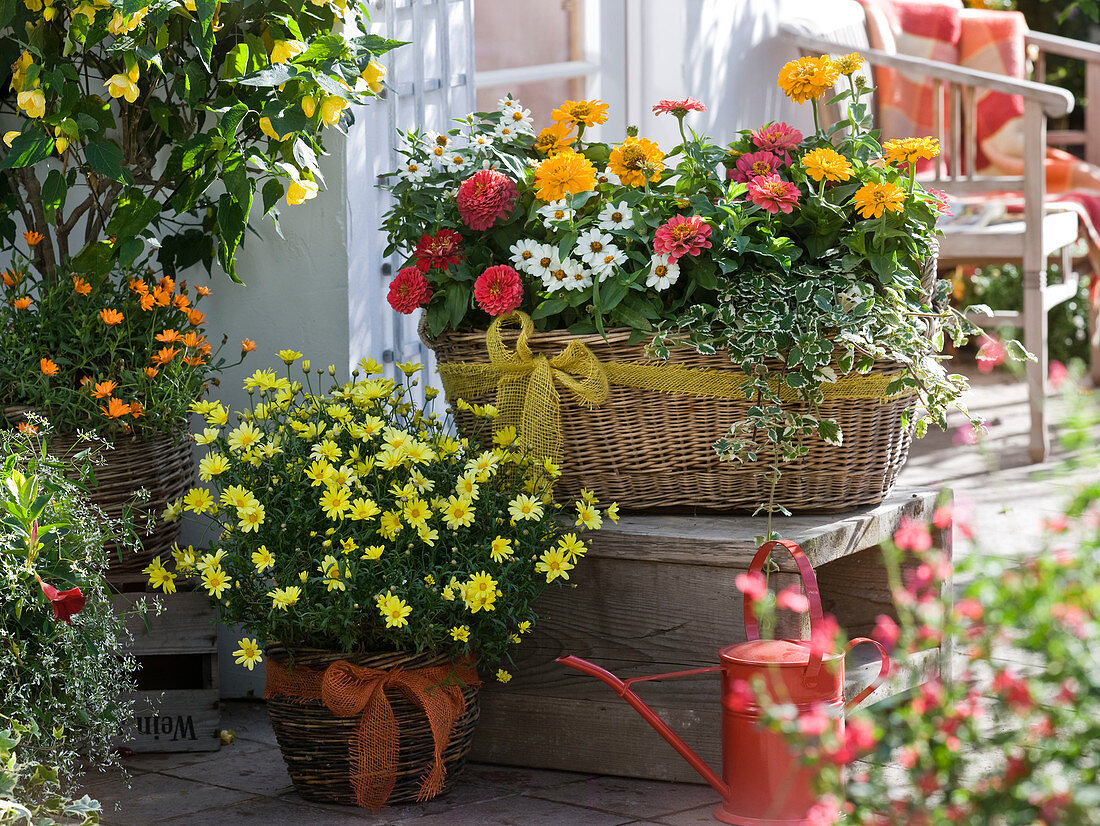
[(655, 594)]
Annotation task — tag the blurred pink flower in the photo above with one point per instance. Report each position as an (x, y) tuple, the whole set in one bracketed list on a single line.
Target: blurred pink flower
[(912, 535), (991, 353), (1057, 374)]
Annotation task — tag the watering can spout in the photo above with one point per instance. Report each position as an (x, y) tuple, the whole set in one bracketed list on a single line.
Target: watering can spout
[(622, 688)]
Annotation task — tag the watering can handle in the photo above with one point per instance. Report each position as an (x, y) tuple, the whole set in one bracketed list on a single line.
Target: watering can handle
[(884, 670), (809, 582)]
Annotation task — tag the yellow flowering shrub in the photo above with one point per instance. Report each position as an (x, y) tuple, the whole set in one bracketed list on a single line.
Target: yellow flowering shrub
[(350, 519)]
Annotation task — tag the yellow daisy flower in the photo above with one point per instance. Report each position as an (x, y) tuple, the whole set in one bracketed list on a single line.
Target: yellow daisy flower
[(211, 465), (250, 519), (501, 549), (461, 633), (459, 513), (554, 564), (283, 598), (524, 507), (263, 559), (248, 654), (394, 610), (244, 437), (335, 502), (198, 500), (215, 581)]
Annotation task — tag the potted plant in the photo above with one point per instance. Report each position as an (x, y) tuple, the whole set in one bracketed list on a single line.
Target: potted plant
[(376, 562), (66, 678), (786, 281), (122, 356)]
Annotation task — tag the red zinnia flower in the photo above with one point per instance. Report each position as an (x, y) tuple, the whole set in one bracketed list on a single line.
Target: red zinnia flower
[(438, 251), (755, 164), (499, 290), (484, 197), (409, 290), (773, 193), (777, 137), (64, 603), (678, 108), (682, 235)]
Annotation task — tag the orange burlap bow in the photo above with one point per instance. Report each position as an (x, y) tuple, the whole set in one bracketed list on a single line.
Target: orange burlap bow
[(349, 690)]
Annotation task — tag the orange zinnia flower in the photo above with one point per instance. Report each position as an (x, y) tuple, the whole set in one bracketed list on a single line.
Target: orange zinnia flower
[(27, 427), (165, 355), (151, 372), (147, 302), (139, 286), (104, 389), (136, 409), (110, 317), (22, 303), (181, 302), (48, 367), (162, 297), (202, 291), (115, 408), (196, 318), (167, 336), (193, 340), (81, 286), (247, 346), (33, 238)]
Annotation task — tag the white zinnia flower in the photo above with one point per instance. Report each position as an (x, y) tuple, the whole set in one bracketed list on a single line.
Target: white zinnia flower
[(662, 273), (438, 144), (481, 142), (414, 171), (453, 162), (612, 257), (520, 119), (508, 104), (616, 216), (524, 252), (591, 244), (576, 276), (555, 212), (506, 132), (559, 273), (544, 262)]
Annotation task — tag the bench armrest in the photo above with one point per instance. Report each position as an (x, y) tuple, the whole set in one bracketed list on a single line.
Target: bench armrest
[(1064, 46), (1054, 101)]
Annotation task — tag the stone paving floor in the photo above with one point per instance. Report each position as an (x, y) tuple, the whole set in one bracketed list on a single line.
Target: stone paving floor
[(246, 782)]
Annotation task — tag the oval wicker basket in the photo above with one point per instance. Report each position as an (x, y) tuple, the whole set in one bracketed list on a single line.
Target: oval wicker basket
[(651, 450), (163, 465), (314, 741)]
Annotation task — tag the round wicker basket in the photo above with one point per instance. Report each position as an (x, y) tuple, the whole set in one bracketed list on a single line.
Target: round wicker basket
[(651, 450), (314, 741), (163, 466)]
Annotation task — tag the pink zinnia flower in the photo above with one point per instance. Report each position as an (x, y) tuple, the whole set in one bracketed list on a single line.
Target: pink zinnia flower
[(682, 235), (941, 201), (678, 108), (484, 197), (991, 354), (409, 291), (755, 164), (499, 290), (773, 194), (778, 137), (438, 251)]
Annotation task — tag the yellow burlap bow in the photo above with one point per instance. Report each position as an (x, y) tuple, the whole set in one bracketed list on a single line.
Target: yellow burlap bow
[(528, 399)]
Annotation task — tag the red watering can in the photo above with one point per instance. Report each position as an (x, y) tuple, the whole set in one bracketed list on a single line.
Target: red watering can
[(762, 783)]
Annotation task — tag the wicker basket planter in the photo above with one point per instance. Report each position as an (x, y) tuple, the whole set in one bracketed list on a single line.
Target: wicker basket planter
[(163, 466), (319, 745), (651, 450)]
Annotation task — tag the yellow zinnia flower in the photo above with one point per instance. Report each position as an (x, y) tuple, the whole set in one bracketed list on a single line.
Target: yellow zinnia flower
[(554, 139), (580, 113), (828, 164), (872, 199), (566, 173), (910, 150), (849, 63), (807, 78), (635, 159)]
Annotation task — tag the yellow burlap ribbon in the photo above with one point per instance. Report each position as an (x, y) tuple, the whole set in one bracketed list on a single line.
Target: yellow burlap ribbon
[(527, 393)]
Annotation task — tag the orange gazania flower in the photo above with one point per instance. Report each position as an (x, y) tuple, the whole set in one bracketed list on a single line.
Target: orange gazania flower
[(139, 286), (28, 428), (164, 355), (115, 408), (22, 303), (104, 389), (147, 302), (162, 297), (151, 372), (33, 238), (110, 317), (11, 279), (81, 286), (247, 346), (181, 301), (196, 318), (48, 368), (85, 381), (203, 292), (136, 409), (167, 284), (193, 340), (167, 336), (194, 361)]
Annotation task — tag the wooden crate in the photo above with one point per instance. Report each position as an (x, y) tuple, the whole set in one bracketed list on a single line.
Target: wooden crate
[(657, 594), (176, 707)]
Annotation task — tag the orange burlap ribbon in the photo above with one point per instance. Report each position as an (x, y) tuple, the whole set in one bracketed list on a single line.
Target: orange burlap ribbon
[(348, 690)]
